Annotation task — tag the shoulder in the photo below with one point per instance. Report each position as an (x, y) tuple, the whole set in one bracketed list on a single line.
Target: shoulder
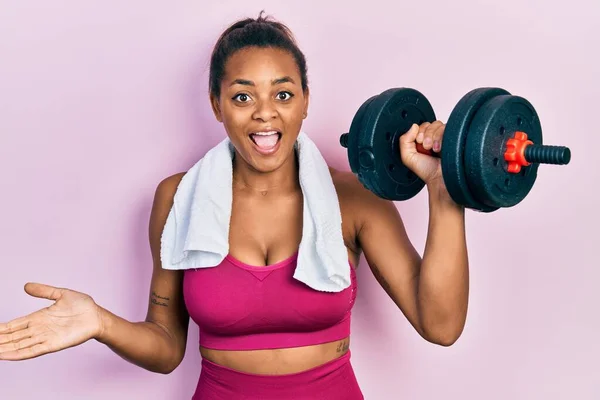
[(163, 200), (343, 180), (166, 188), (356, 201), (350, 189)]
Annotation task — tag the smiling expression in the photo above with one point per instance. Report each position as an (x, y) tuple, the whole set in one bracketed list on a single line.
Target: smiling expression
[(262, 105)]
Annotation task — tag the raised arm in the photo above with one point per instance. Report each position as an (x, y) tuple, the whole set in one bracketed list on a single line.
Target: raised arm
[(431, 291)]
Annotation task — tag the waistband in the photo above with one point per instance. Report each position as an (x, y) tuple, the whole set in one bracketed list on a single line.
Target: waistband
[(334, 380)]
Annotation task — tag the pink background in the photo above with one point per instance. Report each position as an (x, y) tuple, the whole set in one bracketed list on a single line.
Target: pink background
[(100, 100)]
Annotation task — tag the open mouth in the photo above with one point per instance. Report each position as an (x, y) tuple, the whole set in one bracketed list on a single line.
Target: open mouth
[(266, 142)]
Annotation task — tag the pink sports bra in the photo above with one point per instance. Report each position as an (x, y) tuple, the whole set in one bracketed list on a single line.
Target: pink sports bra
[(244, 307)]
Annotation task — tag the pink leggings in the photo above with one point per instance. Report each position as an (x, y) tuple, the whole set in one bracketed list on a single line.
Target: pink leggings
[(334, 380)]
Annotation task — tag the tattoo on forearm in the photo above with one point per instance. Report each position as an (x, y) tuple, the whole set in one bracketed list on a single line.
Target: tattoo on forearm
[(159, 297), (159, 300), (343, 346), (158, 303)]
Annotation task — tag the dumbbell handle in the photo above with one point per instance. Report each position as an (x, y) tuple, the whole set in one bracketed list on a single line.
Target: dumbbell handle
[(542, 154), (522, 152), (531, 153)]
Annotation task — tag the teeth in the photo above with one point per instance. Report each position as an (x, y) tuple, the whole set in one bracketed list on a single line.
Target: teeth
[(265, 133)]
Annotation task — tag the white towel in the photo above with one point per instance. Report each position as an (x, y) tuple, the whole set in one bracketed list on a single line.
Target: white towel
[(196, 234)]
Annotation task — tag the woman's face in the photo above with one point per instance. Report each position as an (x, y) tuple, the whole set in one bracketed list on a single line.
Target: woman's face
[(262, 105)]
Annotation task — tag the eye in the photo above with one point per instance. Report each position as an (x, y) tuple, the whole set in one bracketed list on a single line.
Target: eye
[(242, 98), (284, 96)]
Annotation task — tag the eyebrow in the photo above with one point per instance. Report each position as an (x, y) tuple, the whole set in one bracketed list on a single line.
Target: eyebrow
[(274, 82)]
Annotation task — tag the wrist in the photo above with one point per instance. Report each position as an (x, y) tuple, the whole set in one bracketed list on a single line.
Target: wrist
[(104, 322), (439, 196)]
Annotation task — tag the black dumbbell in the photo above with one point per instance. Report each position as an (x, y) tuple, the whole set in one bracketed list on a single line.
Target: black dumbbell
[(491, 149)]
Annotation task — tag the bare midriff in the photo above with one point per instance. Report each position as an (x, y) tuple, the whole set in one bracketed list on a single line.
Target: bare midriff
[(278, 361)]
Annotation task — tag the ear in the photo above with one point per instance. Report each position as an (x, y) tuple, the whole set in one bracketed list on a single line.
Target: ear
[(214, 102), (306, 102)]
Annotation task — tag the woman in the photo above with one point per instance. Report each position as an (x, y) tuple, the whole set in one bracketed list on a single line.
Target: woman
[(259, 91)]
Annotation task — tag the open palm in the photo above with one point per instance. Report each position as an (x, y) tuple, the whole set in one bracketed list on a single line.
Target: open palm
[(72, 319)]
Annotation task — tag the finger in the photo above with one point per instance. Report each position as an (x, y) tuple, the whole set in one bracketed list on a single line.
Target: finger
[(407, 143), (21, 344), (14, 325), (428, 134), (27, 353), (422, 128), (410, 135), (437, 137), (16, 336), (43, 291)]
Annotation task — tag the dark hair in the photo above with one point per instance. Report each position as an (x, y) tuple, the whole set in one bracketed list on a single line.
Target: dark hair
[(249, 32)]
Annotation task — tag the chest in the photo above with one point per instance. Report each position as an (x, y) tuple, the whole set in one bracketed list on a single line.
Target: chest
[(265, 230)]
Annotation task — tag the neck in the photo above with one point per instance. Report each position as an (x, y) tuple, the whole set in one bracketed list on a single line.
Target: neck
[(283, 180)]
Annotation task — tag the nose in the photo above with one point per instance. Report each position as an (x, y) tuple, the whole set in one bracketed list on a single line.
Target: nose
[(265, 111)]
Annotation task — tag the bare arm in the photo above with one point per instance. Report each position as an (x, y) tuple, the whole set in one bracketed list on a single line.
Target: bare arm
[(158, 343), (432, 292), (443, 291)]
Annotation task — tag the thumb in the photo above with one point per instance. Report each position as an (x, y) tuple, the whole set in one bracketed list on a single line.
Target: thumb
[(43, 291), (410, 136), (408, 144)]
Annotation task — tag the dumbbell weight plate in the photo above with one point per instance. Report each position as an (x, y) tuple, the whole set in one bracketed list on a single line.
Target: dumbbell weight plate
[(354, 133), (495, 123), (454, 142), (387, 117)]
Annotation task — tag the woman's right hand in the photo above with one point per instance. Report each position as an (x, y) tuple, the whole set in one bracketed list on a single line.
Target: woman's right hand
[(73, 319)]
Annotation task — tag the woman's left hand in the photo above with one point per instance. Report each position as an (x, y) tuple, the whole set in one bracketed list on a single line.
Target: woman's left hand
[(426, 167)]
